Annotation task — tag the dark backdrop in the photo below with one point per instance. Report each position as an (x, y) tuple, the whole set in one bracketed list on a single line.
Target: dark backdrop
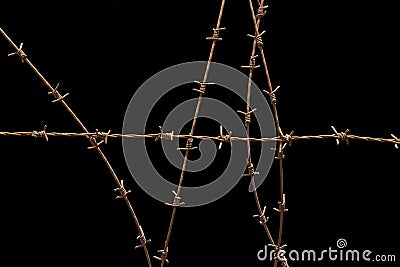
[(337, 63)]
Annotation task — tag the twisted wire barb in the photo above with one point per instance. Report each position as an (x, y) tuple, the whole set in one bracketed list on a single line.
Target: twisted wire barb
[(92, 138), (215, 38)]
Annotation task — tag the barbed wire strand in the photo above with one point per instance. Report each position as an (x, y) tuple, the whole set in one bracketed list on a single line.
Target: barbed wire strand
[(95, 145), (283, 141), (250, 167), (38, 134), (280, 156), (189, 141)]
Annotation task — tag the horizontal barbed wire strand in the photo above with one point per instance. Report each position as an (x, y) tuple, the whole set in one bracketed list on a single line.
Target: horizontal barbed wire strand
[(394, 140)]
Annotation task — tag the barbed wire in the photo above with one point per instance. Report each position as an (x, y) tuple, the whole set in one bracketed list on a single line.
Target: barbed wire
[(99, 138), (220, 138), (59, 98)]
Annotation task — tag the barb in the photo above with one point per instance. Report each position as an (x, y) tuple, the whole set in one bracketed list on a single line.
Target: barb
[(59, 98), (224, 138), (247, 115), (162, 135), (41, 134), (122, 191), (258, 38), (397, 140), (163, 257), (203, 86), (342, 136), (177, 201), (19, 53), (142, 238), (216, 33), (252, 64)]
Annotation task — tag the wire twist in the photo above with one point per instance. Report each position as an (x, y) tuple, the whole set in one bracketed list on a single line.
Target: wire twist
[(41, 133), (258, 38), (19, 53), (58, 97), (123, 192), (216, 33), (342, 136)]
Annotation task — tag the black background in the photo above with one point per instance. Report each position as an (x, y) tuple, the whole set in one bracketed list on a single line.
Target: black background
[(337, 63)]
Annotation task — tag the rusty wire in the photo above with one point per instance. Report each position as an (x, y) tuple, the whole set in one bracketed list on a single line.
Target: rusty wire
[(177, 199), (99, 138), (250, 167), (54, 91), (39, 134), (283, 138)]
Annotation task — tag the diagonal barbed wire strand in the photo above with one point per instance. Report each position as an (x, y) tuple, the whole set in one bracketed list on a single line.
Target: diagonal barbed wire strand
[(284, 138), (177, 199), (95, 145), (250, 167)]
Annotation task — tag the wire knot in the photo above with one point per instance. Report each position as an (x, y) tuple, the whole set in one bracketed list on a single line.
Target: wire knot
[(251, 170), (272, 95), (216, 33), (100, 135), (261, 10), (263, 218), (258, 38), (247, 115), (397, 140), (163, 257), (224, 138), (282, 205), (57, 95), (19, 53), (142, 238), (342, 136), (177, 201), (252, 64), (189, 145), (288, 138), (42, 133), (203, 86), (103, 135), (280, 155), (166, 136), (122, 191)]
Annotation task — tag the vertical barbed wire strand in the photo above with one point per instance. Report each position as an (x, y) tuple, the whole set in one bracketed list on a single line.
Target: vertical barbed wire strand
[(214, 39), (250, 168), (281, 144), (59, 98)]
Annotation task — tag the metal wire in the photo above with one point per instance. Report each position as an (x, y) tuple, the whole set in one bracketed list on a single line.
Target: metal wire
[(92, 138), (98, 138), (155, 136)]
